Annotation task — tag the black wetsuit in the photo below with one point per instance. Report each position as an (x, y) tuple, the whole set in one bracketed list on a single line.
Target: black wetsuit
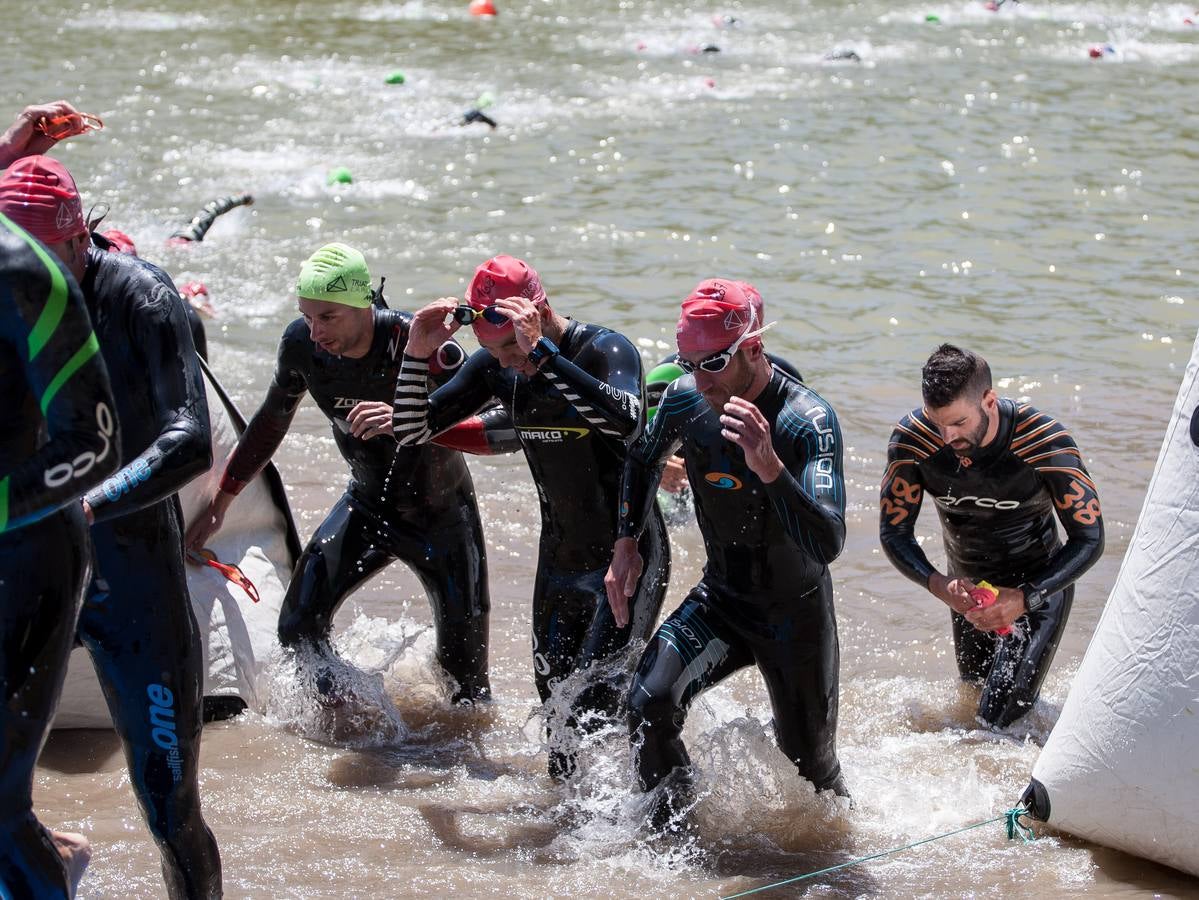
[(416, 504), (137, 620), (60, 438), (997, 511), (766, 597), (574, 419)]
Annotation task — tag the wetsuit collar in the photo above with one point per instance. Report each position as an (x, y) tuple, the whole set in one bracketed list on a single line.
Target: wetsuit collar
[(1006, 410)]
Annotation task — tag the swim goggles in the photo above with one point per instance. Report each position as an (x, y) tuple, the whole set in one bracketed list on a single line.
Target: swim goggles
[(718, 362), (231, 572), (68, 126), (466, 315)]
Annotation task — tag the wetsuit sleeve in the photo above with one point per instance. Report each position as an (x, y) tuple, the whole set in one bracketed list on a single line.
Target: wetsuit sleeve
[(269, 425), (159, 332), (486, 434), (48, 328), (1043, 443), (809, 494), (603, 384), (202, 221), (419, 415), (648, 455), (902, 494)]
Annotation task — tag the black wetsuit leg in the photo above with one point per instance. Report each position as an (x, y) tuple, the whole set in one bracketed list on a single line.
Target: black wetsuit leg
[(691, 651), (138, 625), (43, 572), (1012, 669), (696, 647), (573, 630), (803, 679), (354, 542)]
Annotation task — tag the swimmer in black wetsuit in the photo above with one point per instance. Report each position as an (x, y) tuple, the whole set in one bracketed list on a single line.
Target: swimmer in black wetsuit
[(572, 393), (59, 441), (137, 620), (997, 471), (763, 455), (116, 241), (416, 504)]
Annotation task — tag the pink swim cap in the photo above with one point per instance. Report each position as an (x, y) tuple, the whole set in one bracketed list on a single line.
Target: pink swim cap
[(499, 278), (715, 314), (39, 194)]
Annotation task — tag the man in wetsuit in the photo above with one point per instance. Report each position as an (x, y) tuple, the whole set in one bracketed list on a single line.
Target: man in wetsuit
[(60, 440), (997, 471), (572, 393), (763, 455), (416, 504), (137, 620)]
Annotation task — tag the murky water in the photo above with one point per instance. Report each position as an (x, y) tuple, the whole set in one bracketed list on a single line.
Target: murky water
[(977, 178)]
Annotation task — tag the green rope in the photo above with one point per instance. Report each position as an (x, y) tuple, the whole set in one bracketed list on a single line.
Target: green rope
[(1015, 828)]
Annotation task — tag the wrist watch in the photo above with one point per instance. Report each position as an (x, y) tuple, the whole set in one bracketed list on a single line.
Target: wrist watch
[(1034, 598), (542, 350)]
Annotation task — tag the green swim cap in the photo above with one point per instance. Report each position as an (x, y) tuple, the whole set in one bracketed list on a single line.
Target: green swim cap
[(336, 273), (655, 385)]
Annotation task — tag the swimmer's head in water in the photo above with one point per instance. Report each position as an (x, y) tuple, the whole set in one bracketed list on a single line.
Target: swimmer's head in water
[(497, 279), (119, 242), (39, 194), (336, 273)]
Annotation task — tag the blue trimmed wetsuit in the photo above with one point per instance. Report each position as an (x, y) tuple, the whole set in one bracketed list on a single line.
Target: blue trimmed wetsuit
[(574, 419), (766, 597), (997, 509), (415, 504), (60, 439), (137, 621)]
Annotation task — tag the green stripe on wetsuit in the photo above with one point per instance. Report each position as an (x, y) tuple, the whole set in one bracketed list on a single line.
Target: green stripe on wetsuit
[(47, 323), (4, 504)]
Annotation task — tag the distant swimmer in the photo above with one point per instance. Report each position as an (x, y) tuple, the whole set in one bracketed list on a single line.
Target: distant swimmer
[(195, 292), (412, 503), (472, 116), (137, 622), (763, 455), (39, 127), (60, 440), (1000, 473), (571, 395)]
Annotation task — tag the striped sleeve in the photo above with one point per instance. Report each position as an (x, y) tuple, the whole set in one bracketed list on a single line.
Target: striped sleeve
[(913, 441), (410, 415)]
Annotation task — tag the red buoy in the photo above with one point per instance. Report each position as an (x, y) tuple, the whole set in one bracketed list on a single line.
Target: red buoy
[(482, 8)]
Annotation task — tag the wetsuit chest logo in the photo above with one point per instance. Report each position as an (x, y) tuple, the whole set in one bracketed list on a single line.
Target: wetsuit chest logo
[(552, 435), (724, 481), (345, 402), (982, 502)]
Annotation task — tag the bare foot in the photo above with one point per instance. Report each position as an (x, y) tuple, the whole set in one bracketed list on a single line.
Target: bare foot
[(76, 853)]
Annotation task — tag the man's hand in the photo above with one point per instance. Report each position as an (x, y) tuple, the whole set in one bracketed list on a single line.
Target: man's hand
[(429, 328), (208, 521), (674, 475), (370, 418), (87, 512), (23, 138), (621, 580), (953, 592), (526, 317), (744, 425), (1007, 608)]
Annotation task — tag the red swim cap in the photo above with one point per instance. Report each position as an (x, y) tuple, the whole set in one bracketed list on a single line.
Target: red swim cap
[(497, 279), (755, 299), (39, 194), (121, 242), (714, 316)]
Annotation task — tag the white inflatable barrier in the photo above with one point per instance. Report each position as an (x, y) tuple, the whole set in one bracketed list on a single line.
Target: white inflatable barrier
[(1121, 767), (239, 636)]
